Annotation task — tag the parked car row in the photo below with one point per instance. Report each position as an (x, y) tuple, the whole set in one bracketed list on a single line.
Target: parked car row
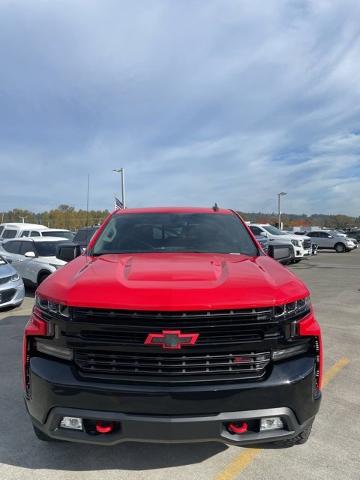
[(28, 256), (28, 252), (301, 245), (332, 239)]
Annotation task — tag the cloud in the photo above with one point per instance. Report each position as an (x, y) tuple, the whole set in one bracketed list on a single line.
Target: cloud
[(225, 101)]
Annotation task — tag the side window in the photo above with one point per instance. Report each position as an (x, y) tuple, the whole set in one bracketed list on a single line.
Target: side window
[(255, 230), (12, 247), (9, 234), (323, 235), (26, 247), (25, 233), (312, 234), (1, 229), (34, 233)]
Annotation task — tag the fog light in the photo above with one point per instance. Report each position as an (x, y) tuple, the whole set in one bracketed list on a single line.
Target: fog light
[(74, 423), (271, 423)]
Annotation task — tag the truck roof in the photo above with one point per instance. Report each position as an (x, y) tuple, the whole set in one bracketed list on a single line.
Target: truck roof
[(174, 210)]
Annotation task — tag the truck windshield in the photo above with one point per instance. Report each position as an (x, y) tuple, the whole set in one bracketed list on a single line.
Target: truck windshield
[(175, 232)]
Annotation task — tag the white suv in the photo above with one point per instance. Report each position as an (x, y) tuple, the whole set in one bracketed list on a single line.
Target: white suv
[(33, 258), (15, 230), (301, 243), (20, 230)]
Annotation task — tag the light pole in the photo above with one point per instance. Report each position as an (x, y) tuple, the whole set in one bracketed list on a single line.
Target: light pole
[(87, 199), (279, 195), (122, 172)]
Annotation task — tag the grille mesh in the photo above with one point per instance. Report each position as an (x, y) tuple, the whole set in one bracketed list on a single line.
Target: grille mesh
[(247, 365)]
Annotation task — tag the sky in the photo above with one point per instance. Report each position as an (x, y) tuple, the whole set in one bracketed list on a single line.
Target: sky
[(199, 101)]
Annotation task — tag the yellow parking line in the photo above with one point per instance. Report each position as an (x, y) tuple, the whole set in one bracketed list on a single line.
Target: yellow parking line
[(233, 469), (239, 464), (334, 370)]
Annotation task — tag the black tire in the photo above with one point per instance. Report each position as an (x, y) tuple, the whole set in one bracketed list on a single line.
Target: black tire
[(42, 277), (340, 248), (300, 439), (297, 260), (42, 436)]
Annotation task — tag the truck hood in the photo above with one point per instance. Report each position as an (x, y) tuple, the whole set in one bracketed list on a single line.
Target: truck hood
[(173, 282)]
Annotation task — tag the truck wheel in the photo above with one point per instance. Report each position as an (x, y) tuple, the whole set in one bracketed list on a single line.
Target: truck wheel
[(340, 248), (42, 436), (301, 438), (42, 277), (297, 260)]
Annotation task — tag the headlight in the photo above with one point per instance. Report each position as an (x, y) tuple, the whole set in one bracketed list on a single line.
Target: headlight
[(294, 309), (297, 243), (15, 277), (52, 307)]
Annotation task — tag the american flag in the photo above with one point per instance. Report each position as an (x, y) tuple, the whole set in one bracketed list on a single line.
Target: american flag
[(118, 204)]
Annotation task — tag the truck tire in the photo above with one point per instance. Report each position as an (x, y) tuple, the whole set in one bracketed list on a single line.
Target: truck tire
[(42, 436), (340, 247), (300, 438)]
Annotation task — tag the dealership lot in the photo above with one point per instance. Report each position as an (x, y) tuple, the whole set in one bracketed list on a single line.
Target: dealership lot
[(331, 453)]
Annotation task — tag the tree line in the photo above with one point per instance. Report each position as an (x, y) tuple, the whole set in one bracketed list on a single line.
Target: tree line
[(66, 216)]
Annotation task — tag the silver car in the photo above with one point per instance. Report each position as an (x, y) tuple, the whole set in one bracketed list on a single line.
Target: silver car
[(33, 258), (331, 240), (12, 291)]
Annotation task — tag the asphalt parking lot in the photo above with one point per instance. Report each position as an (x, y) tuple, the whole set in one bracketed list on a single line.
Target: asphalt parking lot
[(332, 453)]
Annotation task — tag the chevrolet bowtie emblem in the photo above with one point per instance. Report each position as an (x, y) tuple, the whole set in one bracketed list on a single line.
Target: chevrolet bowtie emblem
[(171, 339)]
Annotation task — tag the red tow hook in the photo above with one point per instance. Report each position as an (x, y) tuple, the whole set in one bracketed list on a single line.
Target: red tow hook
[(104, 427), (237, 428)]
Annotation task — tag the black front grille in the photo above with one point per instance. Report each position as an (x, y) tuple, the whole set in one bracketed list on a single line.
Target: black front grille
[(230, 344), (307, 244), (244, 366), (7, 295), (4, 280), (215, 328)]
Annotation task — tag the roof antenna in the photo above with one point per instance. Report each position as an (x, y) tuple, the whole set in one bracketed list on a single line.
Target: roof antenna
[(215, 207)]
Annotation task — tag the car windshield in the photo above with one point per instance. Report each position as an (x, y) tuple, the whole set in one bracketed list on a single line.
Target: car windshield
[(59, 233), (273, 230), (175, 232), (47, 249)]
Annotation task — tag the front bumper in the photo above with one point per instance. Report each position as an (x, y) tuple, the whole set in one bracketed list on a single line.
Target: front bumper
[(173, 413), (176, 429), (301, 252)]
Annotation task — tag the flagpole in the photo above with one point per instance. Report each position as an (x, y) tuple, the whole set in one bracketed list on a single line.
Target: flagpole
[(123, 187), (122, 172), (87, 199)]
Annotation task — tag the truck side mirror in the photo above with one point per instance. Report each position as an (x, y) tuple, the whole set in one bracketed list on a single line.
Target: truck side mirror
[(68, 251)]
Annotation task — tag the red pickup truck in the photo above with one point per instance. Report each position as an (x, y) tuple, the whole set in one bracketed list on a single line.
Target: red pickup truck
[(173, 326)]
